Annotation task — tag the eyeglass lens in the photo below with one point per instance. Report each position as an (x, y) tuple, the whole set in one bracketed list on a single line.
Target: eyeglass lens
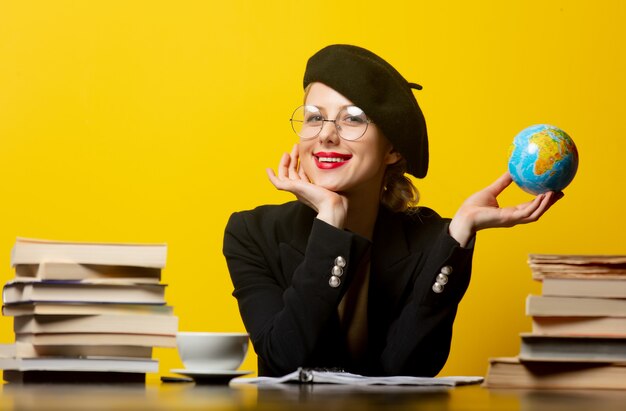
[(351, 122)]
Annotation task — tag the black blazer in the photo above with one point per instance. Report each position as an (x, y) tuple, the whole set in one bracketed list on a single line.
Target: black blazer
[(280, 260)]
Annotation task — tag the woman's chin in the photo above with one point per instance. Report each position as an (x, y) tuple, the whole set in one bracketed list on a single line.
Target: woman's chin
[(328, 185)]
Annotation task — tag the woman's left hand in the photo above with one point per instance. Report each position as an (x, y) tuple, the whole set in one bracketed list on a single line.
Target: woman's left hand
[(481, 210)]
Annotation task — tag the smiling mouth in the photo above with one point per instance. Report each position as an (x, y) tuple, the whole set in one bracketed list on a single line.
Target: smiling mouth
[(332, 157), (329, 161)]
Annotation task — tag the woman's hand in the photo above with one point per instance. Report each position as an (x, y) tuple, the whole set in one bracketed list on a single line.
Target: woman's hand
[(481, 210), (330, 206)]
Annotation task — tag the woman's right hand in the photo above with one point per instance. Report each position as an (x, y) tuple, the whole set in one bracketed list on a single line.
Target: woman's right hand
[(330, 206)]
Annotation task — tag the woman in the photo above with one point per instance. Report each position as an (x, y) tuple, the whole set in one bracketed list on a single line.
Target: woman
[(353, 275)]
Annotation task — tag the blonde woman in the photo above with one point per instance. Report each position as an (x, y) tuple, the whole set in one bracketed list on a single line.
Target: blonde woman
[(353, 275)]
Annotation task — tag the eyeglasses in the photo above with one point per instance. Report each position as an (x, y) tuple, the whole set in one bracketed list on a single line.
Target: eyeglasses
[(351, 123)]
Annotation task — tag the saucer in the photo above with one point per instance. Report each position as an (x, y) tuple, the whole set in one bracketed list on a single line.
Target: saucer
[(210, 376)]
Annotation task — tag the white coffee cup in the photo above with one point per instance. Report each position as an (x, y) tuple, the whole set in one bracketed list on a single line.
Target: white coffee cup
[(217, 351)]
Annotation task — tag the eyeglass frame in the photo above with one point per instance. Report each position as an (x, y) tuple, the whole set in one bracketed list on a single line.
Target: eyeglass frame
[(324, 120)]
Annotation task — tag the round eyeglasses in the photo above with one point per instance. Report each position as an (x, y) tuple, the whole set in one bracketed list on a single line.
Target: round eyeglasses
[(351, 122)]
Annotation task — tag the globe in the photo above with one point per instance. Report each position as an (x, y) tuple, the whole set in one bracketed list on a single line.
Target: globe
[(543, 158)]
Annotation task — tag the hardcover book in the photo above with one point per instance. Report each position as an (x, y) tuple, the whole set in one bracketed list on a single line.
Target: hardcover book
[(510, 372), (102, 323), (75, 271), (572, 348), (35, 251), (80, 291), (93, 338)]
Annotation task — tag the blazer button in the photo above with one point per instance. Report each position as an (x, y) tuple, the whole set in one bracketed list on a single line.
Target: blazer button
[(447, 270), (334, 281), (442, 279), (338, 271), (340, 262), (438, 288)]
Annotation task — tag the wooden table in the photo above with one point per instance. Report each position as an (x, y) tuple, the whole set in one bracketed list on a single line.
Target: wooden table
[(188, 396)]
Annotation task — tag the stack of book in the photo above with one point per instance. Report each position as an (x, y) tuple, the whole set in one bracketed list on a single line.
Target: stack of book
[(85, 311), (578, 338)]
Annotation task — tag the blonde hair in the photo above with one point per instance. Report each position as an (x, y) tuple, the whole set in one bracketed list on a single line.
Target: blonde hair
[(399, 193)]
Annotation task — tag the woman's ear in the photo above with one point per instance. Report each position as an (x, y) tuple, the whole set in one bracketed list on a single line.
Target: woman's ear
[(393, 157)]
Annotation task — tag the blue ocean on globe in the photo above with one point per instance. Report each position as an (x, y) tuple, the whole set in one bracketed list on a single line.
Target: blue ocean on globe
[(543, 158)]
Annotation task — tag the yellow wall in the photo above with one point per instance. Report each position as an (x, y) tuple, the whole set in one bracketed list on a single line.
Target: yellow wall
[(154, 120)]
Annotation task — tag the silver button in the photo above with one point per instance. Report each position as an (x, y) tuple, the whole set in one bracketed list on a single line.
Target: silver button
[(338, 271), (437, 288), (334, 281), (340, 262), (442, 279), (447, 270)]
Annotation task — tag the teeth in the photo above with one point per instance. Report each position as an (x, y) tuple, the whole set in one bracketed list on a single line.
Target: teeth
[(330, 159)]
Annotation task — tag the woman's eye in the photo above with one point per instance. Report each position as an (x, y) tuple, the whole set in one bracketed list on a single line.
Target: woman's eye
[(314, 119), (353, 120)]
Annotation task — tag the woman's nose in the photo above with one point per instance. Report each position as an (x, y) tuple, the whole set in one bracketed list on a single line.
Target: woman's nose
[(328, 134)]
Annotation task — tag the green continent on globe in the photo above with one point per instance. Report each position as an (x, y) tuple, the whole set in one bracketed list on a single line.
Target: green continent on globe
[(550, 151)]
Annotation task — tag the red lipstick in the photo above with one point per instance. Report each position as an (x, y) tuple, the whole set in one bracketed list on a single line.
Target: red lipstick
[(330, 160)]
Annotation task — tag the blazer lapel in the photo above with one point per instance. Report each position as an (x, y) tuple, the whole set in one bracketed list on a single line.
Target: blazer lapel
[(393, 263)]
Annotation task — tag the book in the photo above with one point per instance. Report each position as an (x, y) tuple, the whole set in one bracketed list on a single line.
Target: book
[(62, 308), (510, 372), (80, 291), (577, 265), (598, 326), (135, 365), (102, 323), (552, 306), (584, 287), (28, 350), (572, 348), (36, 251), (86, 338), (311, 376), (74, 271), (72, 377)]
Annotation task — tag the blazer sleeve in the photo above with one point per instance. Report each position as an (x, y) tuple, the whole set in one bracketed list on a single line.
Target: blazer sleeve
[(418, 341), (285, 313)]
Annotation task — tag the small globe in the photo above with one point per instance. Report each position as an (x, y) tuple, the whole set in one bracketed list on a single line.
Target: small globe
[(543, 158)]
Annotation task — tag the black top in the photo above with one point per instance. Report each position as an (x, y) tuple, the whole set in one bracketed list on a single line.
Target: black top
[(280, 259)]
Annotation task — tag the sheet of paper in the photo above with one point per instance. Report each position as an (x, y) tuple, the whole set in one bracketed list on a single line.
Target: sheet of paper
[(304, 375)]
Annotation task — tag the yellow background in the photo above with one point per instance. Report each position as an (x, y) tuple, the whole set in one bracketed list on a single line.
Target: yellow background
[(152, 121)]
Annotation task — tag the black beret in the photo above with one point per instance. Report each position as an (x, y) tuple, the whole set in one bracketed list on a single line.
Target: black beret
[(376, 87)]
